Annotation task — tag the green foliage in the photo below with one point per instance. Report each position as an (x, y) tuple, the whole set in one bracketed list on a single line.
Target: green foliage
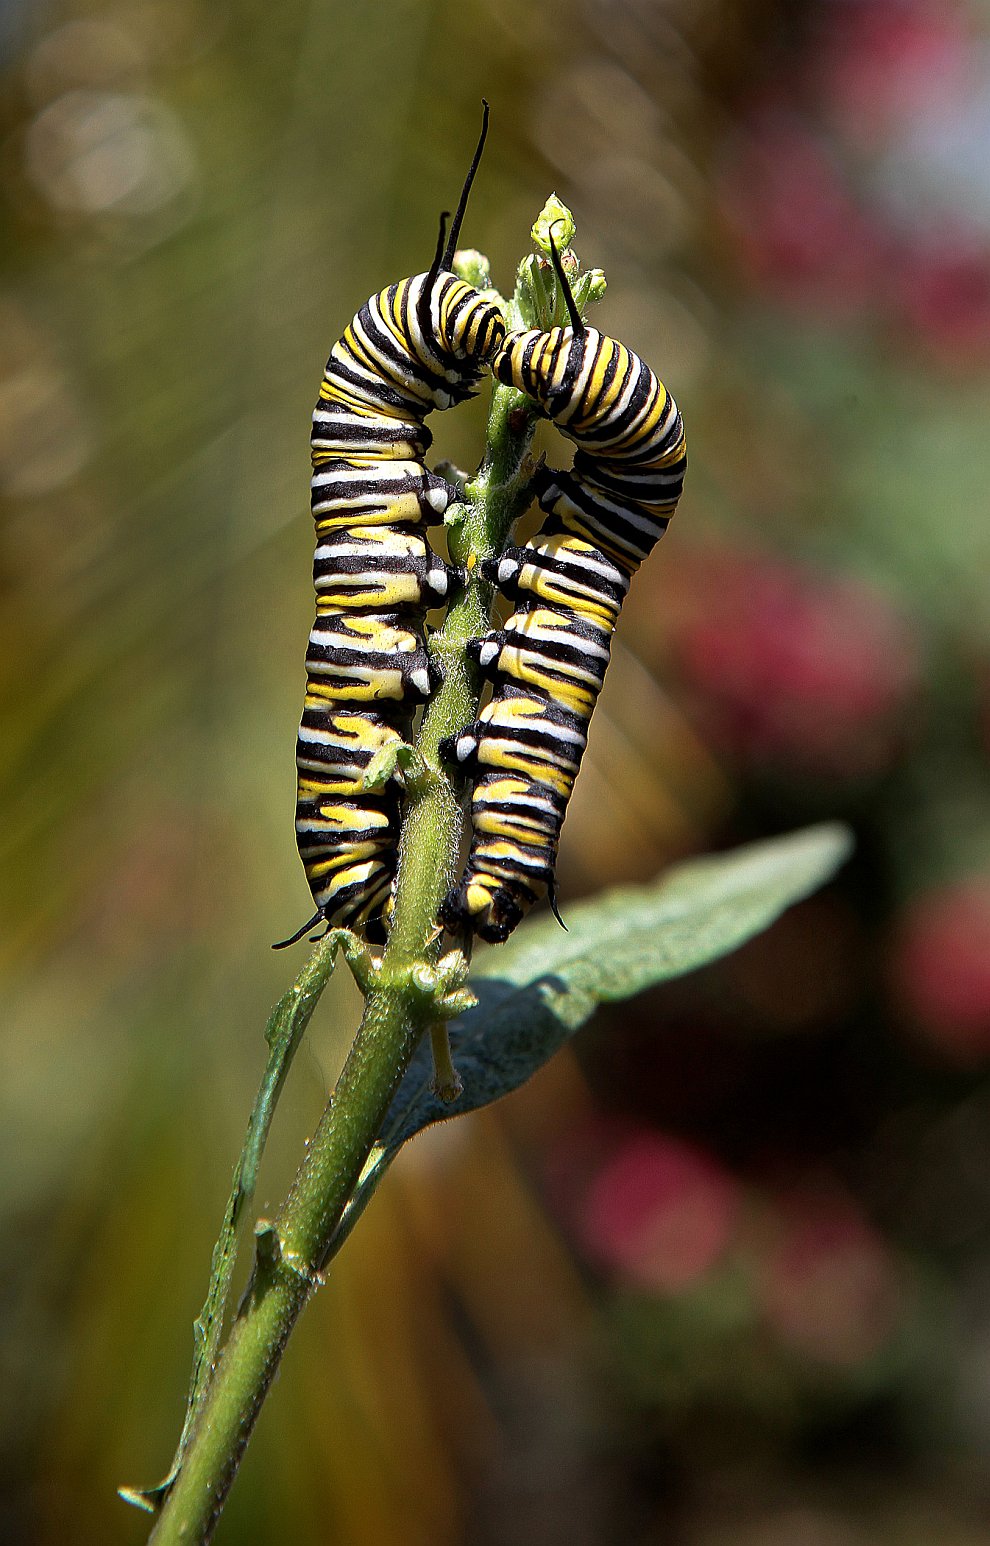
[(283, 1033), (533, 996), (537, 299), (536, 991)]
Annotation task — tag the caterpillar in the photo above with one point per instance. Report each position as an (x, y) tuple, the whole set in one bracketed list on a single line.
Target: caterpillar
[(418, 345), (548, 662)]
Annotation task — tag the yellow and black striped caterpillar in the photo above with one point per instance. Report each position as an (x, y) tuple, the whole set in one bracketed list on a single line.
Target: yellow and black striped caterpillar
[(548, 662), (418, 345)]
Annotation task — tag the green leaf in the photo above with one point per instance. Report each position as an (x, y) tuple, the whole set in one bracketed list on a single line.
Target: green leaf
[(536, 991)]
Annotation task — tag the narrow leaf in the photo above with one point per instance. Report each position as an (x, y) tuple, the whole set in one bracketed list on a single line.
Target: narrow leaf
[(536, 991)]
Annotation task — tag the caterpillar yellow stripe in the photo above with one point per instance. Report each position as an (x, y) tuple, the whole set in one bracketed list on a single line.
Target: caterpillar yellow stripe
[(418, 345), (548, 662)]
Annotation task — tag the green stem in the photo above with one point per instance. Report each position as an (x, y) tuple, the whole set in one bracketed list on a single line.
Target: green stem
[(292, 1251)]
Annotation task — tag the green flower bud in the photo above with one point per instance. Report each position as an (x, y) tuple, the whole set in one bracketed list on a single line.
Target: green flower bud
[(554, 219), (473, 267)]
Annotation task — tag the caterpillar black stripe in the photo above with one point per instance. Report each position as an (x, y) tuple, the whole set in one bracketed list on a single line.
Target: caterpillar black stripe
[(548, 662), (418, 345)]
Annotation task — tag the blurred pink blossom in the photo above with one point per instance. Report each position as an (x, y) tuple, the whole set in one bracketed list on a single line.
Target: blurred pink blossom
[(859, 187), (660, 1212), (795, 669), (940, 966), (797, 227), (881, 64), (945, 295), (829, 1287)]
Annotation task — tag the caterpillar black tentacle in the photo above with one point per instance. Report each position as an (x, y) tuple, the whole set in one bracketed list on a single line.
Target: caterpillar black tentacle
[(418, 345), (552, 899), (549, 660), (294, 939)]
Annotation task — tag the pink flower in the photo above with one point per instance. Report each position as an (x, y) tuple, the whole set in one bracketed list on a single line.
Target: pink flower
[(945, 295), (882, 64), (795, 669), (796, 226), (660, 1213), (828, 1286), (940, 966)]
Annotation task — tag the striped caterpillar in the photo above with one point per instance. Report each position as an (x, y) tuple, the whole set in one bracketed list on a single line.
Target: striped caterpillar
[(548, 662), (419, 345)]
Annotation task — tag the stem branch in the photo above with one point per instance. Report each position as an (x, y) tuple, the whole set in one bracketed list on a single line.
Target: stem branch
[(297, 1243)]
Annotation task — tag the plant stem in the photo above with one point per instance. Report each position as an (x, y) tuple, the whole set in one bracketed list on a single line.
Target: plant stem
[(292, 1251)]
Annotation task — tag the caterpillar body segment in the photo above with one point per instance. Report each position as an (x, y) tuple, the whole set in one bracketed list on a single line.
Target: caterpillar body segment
[(548, 663), (418, 345), (374, 572)]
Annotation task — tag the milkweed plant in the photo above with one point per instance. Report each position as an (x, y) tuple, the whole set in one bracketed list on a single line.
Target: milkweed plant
[(438, 1037)]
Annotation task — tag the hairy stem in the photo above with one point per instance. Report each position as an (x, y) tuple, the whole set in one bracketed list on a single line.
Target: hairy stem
[(293, 1249)]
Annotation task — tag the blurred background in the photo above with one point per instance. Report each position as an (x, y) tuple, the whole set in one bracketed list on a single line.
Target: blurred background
[(721, 1276)]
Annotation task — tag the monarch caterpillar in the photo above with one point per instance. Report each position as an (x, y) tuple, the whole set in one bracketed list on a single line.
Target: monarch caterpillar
[(418, 345), (548, 662)]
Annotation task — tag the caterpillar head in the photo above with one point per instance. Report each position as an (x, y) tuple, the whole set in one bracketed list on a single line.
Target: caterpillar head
[(480, 907)]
